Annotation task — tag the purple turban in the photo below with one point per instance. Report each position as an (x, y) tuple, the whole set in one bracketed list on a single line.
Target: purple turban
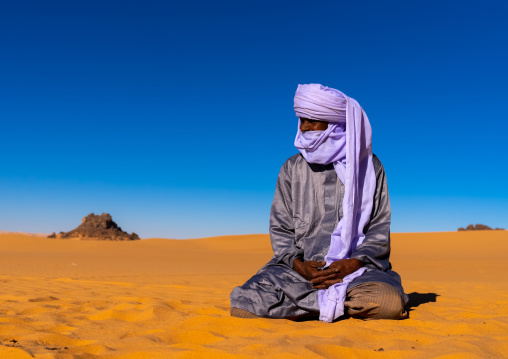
[(347, 143), (318, 102)]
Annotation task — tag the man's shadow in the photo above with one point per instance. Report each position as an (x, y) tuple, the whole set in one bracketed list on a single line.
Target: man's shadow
[(416, 299)]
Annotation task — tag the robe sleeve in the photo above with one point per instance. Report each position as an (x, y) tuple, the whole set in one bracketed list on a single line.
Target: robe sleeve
[(282, 228), (375, 249)]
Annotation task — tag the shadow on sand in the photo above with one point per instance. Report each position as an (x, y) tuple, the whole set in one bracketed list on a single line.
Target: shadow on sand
[(416, 299)]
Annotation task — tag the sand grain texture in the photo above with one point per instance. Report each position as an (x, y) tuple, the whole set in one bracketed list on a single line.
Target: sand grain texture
[(160, 298)]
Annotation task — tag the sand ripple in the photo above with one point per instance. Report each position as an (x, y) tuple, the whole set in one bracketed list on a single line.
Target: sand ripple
[(146, 306)]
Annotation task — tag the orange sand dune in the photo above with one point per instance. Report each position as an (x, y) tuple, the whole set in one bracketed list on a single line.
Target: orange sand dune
[(160, 298), (26, 233)]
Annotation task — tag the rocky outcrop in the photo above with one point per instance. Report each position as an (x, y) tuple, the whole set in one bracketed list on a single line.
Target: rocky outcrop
[(101, 227), (479, 227)]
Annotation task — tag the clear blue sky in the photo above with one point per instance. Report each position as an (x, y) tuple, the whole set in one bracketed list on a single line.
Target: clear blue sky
[(175, 117)]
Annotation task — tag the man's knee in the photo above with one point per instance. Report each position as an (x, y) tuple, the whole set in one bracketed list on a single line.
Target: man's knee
[(375, 300)]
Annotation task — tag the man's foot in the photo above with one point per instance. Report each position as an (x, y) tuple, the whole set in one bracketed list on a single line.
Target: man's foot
[(240, 313)]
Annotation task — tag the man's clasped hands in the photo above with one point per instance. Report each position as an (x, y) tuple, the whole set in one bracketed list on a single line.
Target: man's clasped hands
[(322, 278)]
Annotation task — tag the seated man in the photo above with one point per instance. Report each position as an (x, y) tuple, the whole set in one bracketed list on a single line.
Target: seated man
[(329, 223)]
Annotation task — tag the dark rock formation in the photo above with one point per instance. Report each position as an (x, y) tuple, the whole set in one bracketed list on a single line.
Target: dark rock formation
[(96, 226), (478, 227)]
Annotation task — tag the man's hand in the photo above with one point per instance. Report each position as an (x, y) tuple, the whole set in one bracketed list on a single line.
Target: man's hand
[(335, 273), (308, 269)]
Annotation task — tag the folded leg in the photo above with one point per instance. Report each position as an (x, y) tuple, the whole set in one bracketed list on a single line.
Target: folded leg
[(276, 291), (375, 300)]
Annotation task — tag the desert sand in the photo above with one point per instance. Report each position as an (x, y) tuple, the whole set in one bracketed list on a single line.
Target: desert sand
[(160, 298)]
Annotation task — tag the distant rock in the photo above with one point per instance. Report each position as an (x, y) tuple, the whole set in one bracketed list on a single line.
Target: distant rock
[(479, 227), (101, 227)]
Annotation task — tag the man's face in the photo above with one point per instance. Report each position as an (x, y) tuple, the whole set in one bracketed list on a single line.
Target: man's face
[(312, 125)]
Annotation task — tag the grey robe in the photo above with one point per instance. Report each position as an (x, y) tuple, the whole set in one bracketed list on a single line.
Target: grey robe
[(306, 209)]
